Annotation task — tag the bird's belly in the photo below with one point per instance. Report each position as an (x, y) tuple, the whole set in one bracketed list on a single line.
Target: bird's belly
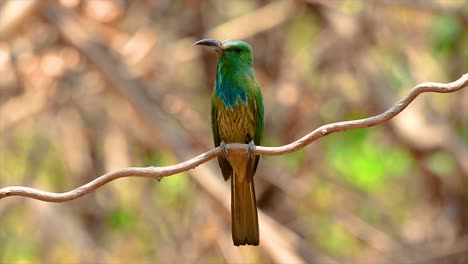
[(236, 124)]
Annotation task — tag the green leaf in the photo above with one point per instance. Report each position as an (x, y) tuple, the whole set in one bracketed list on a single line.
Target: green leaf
[(363, 162), (121, 219), (441, 163), (446, 31)]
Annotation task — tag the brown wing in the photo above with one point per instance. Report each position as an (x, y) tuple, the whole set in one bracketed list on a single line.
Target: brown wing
[(226, 168)]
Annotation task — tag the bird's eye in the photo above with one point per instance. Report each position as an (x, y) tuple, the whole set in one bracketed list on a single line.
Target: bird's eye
[(238, 50)]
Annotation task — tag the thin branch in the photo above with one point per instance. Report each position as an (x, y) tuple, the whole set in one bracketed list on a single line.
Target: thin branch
[(266, 17), (160, 172), (366, 122), (14, 13)]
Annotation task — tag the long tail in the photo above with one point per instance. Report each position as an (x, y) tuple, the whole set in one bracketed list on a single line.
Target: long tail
[(244, 212)]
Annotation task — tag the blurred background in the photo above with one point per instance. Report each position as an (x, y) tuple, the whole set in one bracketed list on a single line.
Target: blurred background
[(91, 86)]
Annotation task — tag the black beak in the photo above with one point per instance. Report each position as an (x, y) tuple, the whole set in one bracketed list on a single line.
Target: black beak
[(216, 44)]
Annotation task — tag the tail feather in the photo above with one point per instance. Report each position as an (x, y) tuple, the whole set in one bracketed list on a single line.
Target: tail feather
[(244, 212)]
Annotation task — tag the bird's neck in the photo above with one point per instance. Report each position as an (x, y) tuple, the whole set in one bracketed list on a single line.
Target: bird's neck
[(231, 83)]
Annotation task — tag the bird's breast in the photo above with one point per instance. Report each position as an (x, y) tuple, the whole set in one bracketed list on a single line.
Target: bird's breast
[(236, 124)]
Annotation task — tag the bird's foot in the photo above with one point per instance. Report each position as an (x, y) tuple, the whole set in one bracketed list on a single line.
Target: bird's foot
[(250, 149), (224, 149)]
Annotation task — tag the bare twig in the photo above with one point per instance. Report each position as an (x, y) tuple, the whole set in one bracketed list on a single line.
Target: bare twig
[(160, 172), (14, 13), (458, 247), (265, 18), (24, 106)]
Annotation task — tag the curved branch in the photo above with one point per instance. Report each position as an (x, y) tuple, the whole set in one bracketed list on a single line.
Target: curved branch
[(160, 172), (324, 130)]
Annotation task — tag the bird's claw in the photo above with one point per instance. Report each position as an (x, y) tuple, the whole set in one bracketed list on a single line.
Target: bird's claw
[(224, 149), (250, 149)]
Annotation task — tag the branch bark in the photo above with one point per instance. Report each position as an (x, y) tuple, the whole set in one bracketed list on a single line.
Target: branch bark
[(161, 172)]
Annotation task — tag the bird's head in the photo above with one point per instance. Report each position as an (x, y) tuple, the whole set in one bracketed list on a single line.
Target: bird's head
[(235, 52)]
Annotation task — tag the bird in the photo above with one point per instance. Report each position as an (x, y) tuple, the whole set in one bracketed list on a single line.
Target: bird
[(237, 116)]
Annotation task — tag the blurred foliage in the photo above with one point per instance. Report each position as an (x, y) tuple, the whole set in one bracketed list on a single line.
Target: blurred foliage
[(394, 193), (363, 162), (446, 32)]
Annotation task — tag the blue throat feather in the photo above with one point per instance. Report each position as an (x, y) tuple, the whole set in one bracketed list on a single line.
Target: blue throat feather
[(229, 87)]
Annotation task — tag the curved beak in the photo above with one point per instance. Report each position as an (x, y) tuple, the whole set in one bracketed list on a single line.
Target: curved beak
[(213, 43)]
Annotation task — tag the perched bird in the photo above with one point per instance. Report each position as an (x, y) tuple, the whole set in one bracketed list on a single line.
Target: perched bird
[(237, 117)]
